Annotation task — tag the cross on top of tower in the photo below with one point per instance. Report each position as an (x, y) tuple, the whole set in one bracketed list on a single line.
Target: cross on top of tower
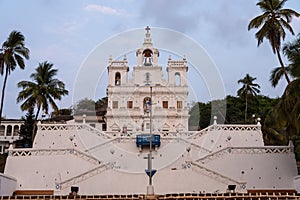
[(147, 40), (147, 29)]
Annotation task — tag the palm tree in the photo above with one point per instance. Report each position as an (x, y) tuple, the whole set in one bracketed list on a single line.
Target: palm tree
[(272, 23), (292, 51), (277, 73), (284, 117), (12, 54), (42, 91), (248, 88)]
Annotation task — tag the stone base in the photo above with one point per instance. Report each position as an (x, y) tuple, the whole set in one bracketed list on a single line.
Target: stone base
[(150, 190)]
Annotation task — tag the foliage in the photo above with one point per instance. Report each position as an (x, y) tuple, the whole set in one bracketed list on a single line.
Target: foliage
[(12, 54), (43, 90), (272, 24), (88, 106), (284, 120), (85, 106), (101, 103), (201, 114), (277, 73), (292, 51), (64, 111), (247, 90), (198, 110), (27, 130)]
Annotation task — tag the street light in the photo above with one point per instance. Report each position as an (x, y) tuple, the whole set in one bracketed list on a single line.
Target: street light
[(150, 172)]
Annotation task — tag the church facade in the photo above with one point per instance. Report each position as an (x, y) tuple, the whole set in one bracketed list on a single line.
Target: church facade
[(133, 101)]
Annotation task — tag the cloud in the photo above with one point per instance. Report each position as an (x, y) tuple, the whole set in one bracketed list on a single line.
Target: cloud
[(176, 14), (103, 9)]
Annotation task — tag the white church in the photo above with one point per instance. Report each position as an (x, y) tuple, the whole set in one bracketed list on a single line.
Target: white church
[(129, 99), (75, 156)]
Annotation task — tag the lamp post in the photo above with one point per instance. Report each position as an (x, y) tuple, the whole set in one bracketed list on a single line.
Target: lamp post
[(150, 188)]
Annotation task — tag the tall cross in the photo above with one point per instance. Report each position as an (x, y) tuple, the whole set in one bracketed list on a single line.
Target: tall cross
[(147, 29)]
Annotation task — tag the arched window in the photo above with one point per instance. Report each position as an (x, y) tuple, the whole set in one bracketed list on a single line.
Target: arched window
[(2, 130), (16, 130), (147, 54), (147, 104), (9, 130), (118, 78), (177, 79)]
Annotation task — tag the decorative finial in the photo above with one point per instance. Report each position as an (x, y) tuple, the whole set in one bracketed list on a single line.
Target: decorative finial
[(215, 120), (258, 121)]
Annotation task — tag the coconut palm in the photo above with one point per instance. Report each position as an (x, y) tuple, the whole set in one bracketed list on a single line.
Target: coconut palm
[(12, 54), (277, 73), (43, 90), (292, 51), (272, 23), (284, 117), (248, 89)]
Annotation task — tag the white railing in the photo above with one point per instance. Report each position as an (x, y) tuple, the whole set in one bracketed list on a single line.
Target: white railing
[(246, 150), (219, 177), (84, 176), (51, 152), (72, 127), (227, 127), (118, 63)]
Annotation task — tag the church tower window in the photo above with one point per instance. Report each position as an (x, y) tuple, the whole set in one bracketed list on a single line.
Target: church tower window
[(147, 54), (147, 78), (118, 79), (179, 105), (177, 79)]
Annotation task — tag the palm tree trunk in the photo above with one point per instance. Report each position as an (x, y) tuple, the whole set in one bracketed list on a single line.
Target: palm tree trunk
[(37, 113), (3, 93), (282, 65)]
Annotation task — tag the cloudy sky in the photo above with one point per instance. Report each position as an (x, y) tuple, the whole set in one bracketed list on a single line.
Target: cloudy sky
[(65, 32)]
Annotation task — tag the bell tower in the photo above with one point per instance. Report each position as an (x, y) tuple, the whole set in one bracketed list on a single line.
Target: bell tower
[(117, 72), (129, 98), (147, 55)]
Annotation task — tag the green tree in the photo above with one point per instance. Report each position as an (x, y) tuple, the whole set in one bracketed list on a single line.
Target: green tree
[(63, 111), (272, 23), (283, 120), (27, 130), (101, 104), (292, 51), (200, 115), (43, 90), (277, 73), (12, 54), (85, 106), (248, 89)]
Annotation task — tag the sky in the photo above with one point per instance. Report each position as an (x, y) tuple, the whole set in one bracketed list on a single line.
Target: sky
[(66, 32)]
